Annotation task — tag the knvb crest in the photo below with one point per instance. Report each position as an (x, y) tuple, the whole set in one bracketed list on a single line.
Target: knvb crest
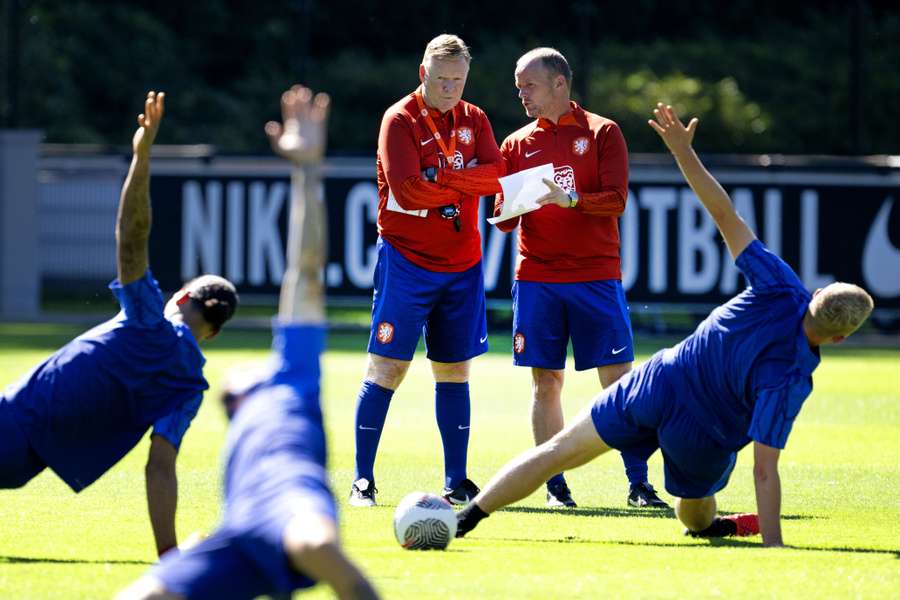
[(564, 177), (581, 145), (465, 136), (519, 343), (385, 332)]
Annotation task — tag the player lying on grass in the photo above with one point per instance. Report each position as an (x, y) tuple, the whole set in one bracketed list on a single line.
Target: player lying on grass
[(279, 528), (742, 376), (84, 408)]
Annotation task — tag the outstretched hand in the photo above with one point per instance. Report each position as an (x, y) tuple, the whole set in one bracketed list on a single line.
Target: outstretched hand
[(677, 137), (148, 123), (301, 138)]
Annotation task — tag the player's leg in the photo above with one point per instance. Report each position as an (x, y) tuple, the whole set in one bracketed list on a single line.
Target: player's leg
[(696, 468), (398, 311), (455, 332), (312, 545), (574, 446), (540, 340)]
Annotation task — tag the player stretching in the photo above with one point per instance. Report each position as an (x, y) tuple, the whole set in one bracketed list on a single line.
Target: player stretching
[(84, 408), (279, 528), (742, 376)]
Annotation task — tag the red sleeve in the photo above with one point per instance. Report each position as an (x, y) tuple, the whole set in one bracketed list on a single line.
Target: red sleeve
[(480, 180), (403, 171), (612, 157), (510, 224)]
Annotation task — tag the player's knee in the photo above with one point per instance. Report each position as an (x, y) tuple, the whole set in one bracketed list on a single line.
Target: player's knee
[(695, 513), (386, 372), (547, 384)]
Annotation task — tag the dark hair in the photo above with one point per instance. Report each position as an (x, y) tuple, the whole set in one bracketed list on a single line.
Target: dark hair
[(215, 297)]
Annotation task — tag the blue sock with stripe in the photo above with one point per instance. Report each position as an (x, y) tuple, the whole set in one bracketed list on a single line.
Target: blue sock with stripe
[(371, 411), (454, 412)]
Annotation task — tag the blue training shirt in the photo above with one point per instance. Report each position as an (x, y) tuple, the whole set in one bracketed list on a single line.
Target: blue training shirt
[(747, 368), (91, 402), (276, 447)]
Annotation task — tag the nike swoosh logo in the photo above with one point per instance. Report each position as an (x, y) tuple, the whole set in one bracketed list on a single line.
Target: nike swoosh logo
[(532, 153), (482, 340), (619, 350), (466, 427), (368, 428), (879, 253), (427, 141)]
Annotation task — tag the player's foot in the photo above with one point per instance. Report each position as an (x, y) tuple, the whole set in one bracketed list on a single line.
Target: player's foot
[(559, 495), (642, 495), (461, 494), (741, 525), (468, 518), (362, 493)]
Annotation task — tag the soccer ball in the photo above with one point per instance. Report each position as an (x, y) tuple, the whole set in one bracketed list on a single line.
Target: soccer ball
[(424, 521)]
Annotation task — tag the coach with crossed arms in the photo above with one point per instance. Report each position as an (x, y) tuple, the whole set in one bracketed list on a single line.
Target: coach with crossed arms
[(436, 155)]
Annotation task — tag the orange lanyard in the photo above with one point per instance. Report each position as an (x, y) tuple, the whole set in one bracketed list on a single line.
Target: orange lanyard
[(449, 151)]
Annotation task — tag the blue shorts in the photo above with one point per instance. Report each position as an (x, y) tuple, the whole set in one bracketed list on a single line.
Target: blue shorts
[(408, 300), (640, 413), (594, 314), (245, 560), (19, 463)]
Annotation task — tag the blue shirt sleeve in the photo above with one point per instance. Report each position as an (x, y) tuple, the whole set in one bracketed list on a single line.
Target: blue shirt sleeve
[(765, 271), (174, 425), (776, 409), (141, 301)]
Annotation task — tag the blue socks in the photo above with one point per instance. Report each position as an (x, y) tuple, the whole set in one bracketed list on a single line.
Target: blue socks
[(371, 411), (453, 411), (635, 468)]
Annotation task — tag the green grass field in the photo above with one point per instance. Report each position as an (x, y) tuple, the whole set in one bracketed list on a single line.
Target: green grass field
[(840, 475)]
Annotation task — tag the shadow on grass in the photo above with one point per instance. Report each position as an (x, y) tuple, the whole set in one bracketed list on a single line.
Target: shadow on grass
[(68, 561), (606, 511), (698, 543)]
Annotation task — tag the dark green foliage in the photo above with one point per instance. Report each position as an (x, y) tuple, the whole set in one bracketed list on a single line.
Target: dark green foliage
[(763, 76)]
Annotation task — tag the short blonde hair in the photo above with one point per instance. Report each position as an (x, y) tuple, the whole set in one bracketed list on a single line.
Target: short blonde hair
[(447, 46), (840, 308)]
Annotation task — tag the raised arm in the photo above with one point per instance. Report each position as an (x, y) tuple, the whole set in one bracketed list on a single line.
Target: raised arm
[(134, 217), (678, 139), (301, 139)]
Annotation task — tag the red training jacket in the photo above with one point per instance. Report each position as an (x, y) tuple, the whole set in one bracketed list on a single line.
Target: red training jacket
[(406, 209), (563, 245)]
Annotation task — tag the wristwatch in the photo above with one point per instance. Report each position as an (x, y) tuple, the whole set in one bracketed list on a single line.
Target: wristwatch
[(573, 198)]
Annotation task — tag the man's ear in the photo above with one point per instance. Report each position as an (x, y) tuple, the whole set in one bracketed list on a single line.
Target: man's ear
[(422, 73), (837, 339)]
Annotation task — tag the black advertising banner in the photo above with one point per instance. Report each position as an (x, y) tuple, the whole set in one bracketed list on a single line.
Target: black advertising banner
[(827, 226)]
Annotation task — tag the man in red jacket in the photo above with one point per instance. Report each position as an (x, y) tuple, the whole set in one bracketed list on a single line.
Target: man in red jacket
[(568, 280), (436, 155)]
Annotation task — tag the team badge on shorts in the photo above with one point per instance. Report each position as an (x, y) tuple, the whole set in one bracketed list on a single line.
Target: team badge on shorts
[(518, 343), (465, 136), (385, 332), (581, 145)]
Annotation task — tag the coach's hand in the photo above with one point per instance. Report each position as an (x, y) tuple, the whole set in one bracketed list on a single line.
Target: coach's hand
[(677, 137), (301, 139), (556, 195), (148, 123)]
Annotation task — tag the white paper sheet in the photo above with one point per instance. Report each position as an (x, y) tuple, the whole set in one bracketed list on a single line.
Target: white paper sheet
[(521, 190)]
